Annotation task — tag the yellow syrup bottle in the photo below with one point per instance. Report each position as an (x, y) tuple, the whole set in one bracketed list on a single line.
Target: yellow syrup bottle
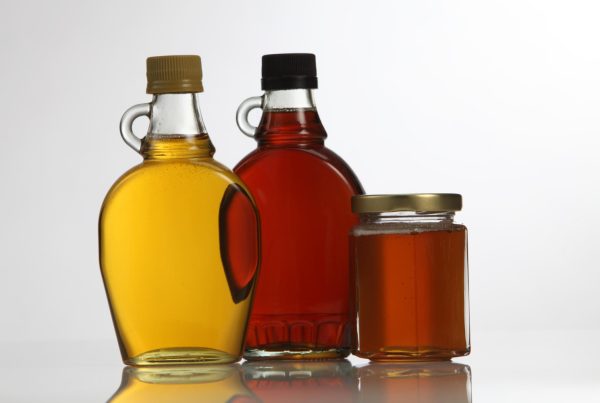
[(179, 233)]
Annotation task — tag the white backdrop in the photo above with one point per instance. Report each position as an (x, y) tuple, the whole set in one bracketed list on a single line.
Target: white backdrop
[(497, 100)]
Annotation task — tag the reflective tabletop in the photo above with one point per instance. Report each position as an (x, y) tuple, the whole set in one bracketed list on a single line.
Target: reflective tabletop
[(523, 366), (285, 381)]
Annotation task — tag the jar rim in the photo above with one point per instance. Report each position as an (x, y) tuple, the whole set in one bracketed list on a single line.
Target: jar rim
[(421, 202)]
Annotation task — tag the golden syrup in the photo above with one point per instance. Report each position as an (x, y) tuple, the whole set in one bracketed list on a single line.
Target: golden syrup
[(179, 255)]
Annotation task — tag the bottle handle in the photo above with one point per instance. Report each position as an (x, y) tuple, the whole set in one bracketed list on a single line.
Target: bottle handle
[(126, 125), (241, 116)]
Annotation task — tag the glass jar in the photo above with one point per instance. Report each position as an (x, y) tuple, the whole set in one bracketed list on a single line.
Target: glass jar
[(411, 273)]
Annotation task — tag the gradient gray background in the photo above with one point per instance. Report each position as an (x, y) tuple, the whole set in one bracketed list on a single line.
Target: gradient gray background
[(497, 100)]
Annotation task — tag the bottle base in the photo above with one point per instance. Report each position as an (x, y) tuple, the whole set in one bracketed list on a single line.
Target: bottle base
[(395, 354), (181, 356), (295, 353)]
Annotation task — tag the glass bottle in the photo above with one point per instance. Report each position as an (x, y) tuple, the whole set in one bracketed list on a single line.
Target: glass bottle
[(302, 190), (411, 271), (179, 246)]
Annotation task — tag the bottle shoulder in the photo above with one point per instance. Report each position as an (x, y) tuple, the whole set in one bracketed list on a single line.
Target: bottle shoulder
[(153, 177), (297, 161)]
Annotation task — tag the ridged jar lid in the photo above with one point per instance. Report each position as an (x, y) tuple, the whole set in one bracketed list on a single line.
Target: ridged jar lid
[(174, 74), (423, 202)]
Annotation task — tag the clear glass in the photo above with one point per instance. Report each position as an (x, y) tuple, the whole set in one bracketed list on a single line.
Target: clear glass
[(179, 247), (282, 100), (411, 273), (302, 306), (175, 115)]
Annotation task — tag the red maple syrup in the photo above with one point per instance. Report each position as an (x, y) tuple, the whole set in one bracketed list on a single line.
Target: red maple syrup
[(302, 304)]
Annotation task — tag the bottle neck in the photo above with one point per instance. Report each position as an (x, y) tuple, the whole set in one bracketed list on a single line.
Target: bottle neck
[(290, 118), (175, 115), (284, 100), (176, 129)]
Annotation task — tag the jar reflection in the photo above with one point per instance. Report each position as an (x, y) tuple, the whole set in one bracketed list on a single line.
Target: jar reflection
[(216, 383), (301, 381), (433, 382), (298, 381)]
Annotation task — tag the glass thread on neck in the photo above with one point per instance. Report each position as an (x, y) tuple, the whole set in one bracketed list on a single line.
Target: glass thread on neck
[(290, 118), (404, 222), (176, 129), (407, 217)]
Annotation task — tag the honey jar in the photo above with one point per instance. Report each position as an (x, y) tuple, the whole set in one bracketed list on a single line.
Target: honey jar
[(410, 268)]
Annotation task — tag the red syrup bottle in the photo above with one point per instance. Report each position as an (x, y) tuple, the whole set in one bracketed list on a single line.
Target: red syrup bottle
[(303, 301)]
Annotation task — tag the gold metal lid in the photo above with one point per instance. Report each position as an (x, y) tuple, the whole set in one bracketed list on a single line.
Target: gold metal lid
[(174, 74), (429, 202)]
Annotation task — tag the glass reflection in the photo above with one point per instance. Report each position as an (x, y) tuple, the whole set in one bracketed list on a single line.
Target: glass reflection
[(213, 383), (434, 382), (301, 381), (298, 381)]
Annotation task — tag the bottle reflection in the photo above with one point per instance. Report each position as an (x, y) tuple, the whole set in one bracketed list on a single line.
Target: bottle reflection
[(214, 383), (435, 382), (301, 381), (298, 381)]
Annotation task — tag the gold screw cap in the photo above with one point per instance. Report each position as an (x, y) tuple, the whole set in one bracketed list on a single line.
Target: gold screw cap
[(423, 202), (174, 74)]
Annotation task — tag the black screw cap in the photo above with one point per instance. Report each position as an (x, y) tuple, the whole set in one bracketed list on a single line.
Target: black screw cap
[(286, 71)]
